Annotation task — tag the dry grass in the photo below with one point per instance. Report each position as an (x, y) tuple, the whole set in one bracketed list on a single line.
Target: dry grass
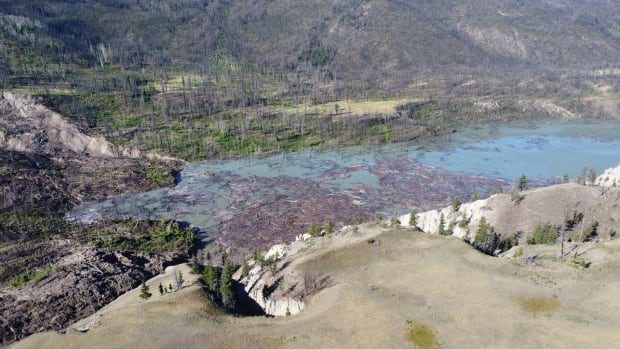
[(348, 107), (450, 293)]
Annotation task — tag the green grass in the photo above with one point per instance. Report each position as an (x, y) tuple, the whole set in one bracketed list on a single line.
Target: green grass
[(33, 276), (357, 221), (539, 305), (420, 335), (159, 177), (31, 226)]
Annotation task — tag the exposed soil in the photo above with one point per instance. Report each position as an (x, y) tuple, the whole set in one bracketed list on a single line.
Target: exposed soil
[(81, 282)]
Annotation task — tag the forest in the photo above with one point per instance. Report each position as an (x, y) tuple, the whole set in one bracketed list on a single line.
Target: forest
[(210, 79)]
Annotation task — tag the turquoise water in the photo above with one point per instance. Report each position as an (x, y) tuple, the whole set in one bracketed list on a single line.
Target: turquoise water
[(212, 193), (548, 149)]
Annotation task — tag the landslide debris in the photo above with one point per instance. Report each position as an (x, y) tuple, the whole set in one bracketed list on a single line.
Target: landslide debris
[(53, 272), (77, 285)]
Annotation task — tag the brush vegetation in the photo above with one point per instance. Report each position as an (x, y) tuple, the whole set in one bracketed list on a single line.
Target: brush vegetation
[(421, 336)]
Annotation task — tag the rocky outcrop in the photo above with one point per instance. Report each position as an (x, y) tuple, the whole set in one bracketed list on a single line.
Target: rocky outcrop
[(519, 213), (274, 293), (26, 126), (609, 178), (78, 285), (273, 287)]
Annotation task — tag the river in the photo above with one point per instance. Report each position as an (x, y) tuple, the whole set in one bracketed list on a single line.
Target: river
[(257, 201)]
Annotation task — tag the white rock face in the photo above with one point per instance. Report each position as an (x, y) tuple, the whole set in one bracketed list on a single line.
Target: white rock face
[(30, 127), (609, 178), (303, 237), (279, 302), (276, 252), (428, 221)]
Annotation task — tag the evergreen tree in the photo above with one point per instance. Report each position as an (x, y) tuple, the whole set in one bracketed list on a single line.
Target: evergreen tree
[(161, 289), (413, 219), (144, 291), (442, 225), (329, 227), (195, 266), (180, 279), (209, 277), (226, 285), (565, 179), (257, 256), (522, 182), (483, 230), (592, 176), (456, 204)]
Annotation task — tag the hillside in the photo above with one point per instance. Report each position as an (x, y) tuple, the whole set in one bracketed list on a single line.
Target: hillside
[(198, 80), (353, 41), (520, 213), (110, 97), (382, 285), (403, 288)]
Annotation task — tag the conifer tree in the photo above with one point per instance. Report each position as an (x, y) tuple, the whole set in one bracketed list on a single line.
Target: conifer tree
[(226, 286), (144, 291), (522, 182), (413, 219), (180, 279), (209, 276), (441, 229)]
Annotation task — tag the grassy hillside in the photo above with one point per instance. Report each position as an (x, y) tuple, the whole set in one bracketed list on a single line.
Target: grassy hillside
[(405, 289)]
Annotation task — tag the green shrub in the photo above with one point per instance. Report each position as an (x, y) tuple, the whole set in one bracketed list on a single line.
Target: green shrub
[(394, 222), (543, 234), (314, 230), (581, 262), (421, 335), (591, 232), (539, 305), (516, 197), (357, 221), (31, 276), (329, 227), (245, 269), (518, 253), (143, 235), (483, 230)]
